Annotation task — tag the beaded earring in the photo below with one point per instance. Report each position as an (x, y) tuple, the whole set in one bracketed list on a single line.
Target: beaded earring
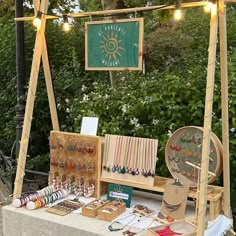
[(90, 148), (88, 188)]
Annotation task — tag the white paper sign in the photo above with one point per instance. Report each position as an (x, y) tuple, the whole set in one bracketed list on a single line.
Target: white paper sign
[(89, 126)]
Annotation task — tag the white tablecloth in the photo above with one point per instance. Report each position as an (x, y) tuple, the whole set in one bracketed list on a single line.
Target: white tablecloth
[(22, 222)]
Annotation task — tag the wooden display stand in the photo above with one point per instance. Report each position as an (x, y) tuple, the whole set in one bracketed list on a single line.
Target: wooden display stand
[(75, 158), (111, 211), (93, 212), (133, 153)]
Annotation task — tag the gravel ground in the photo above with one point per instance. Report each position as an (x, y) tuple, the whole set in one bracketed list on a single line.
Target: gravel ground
[(4, 200)]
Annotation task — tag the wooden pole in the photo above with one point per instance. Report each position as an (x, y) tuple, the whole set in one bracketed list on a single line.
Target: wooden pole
[(202, 200), (49, 86), (20, 172), (224, 107), (120, 11), (48, 78)]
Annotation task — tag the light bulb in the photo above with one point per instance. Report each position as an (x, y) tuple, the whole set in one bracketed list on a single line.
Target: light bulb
[(66, 26), (208, 6), (37, 20), (37, 23), (178, 14)]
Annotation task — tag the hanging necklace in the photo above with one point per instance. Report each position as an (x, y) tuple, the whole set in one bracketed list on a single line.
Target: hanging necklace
[(116, 154), (125, 168), (146, 158), (171, 207), (107, 148), (122, 154), (154, 157), (131, 157), (143, 154), (136, 167)]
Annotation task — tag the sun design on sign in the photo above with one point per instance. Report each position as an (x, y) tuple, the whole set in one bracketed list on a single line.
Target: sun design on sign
[(111, 46), (118, 190)]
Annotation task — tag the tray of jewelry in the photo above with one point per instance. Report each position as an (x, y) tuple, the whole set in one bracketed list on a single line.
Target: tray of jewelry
[(143, 210), (65, 207), (181, 227), (111, 210), (91, 209)]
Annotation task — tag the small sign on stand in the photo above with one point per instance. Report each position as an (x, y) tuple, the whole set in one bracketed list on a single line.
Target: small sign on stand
[(89, 125), (120, 192)]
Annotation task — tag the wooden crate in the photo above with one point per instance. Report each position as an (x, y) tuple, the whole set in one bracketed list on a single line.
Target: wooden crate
[(93, 212), (189, 228), (104, 214)]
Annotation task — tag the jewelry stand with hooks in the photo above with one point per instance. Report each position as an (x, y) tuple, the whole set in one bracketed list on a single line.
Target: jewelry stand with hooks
[(77, 157), (129, 160)]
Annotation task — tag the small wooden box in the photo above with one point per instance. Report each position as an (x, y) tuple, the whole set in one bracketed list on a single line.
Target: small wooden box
[(111, 211), (93, 212), (182, 226)]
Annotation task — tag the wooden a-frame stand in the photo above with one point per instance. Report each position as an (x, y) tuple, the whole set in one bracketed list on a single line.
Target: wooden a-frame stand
[(218, 15)]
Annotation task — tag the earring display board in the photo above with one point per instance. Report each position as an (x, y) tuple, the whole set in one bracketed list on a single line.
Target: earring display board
[(183, 155), (129, 159), (75, 162), (174, 200)]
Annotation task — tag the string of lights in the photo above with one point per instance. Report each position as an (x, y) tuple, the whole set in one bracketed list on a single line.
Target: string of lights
[(177, 14)]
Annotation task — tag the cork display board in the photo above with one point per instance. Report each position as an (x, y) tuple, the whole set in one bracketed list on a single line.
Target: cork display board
[(75, 161)]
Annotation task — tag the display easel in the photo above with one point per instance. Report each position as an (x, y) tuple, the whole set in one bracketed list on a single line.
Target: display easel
[(40, 50)]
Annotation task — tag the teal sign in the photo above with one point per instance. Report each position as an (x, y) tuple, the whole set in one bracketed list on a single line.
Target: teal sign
[(114, 45), (120, 192)]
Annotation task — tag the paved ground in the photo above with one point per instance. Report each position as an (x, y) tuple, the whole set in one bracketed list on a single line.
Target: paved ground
[(4, 200)]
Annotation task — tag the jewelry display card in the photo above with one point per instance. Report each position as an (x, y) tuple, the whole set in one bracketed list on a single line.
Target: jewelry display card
[(183, 155), (130, 159), (65, 207), (75, 162), (174, 200)]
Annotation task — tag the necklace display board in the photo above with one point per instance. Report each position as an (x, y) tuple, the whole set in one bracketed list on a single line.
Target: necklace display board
[(174, 200), (183, 155), (75, 161), (129, 159)]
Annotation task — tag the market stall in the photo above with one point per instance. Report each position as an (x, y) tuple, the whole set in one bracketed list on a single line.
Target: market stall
[(129, 167)]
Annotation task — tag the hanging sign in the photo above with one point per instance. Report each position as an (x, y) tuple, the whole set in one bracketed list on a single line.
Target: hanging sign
[(114, 44)]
